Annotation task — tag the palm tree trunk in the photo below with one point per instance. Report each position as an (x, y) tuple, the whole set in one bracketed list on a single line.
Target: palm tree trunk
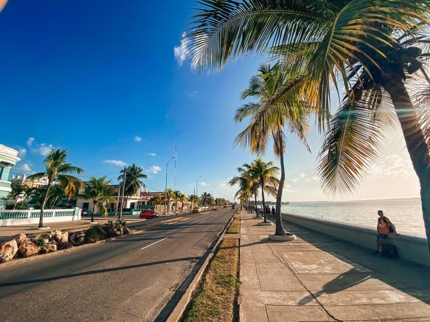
[(279, 229), (45, 199), (415, 142), (262, 199), (94, 210), (256, 206)]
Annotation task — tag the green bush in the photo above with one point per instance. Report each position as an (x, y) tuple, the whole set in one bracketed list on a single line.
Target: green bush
[(40, 242), (95, 233)]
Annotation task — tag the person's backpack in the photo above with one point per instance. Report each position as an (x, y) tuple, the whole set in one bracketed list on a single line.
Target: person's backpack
[(390, 227), (389, 251)]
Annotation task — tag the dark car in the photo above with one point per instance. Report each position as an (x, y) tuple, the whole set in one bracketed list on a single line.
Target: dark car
[(84, 212), (149, 214)]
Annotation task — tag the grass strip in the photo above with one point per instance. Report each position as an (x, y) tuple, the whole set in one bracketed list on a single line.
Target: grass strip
[(234, 227), (216, 298)]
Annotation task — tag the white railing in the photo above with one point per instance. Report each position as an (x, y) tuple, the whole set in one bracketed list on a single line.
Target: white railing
[(22, 217)]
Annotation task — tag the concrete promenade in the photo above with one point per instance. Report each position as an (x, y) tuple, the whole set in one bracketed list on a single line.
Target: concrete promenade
[(320, 278)]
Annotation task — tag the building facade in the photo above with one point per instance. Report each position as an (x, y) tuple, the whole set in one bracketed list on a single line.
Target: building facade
[(8, 158)]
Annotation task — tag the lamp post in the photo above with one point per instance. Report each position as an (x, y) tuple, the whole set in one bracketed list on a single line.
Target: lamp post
[(165, 191)]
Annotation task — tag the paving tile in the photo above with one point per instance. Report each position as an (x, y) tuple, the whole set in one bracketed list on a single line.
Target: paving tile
[(278, 279), (337, 282), (277, 298), (407, 311), (359, 297), (316, 262), (294, 313)]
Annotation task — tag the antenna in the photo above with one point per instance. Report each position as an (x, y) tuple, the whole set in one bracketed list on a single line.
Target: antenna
[(176, 157)]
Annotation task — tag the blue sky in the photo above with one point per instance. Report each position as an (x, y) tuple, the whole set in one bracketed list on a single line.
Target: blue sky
[(106, 81)]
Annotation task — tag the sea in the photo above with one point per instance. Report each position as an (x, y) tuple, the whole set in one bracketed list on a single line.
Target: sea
[(406, 214)]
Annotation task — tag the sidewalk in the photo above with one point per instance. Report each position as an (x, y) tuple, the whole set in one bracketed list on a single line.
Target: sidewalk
[(320, 278)]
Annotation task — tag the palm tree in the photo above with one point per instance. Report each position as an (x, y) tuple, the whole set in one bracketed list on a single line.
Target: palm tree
[(20, 192), (247, 186), (133, 180), (177, 196), (99, 191), (206, 198), (57, 170), (271, 121), (265, 173), (168, 196), (193, 199), (366, 48), (155, 201)]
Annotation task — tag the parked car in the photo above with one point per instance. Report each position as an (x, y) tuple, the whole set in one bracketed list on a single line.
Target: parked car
[(149, 214), (196, 210), (84, 212)]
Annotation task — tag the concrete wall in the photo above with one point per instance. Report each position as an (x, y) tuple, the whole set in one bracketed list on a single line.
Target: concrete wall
[(25, 217), (410, 248)]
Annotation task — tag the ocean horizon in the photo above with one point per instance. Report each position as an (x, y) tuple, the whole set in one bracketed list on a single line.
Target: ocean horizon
[(405, 213)]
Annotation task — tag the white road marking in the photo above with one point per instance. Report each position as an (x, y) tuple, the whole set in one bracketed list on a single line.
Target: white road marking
[(154, 243)]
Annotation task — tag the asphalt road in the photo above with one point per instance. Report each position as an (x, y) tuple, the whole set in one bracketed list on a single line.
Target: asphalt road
[(132, 278)]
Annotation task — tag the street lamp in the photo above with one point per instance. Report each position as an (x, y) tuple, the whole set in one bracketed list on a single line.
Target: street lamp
[(165, 191)]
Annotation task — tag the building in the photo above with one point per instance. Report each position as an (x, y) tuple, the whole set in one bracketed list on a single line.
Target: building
[(8, 158)]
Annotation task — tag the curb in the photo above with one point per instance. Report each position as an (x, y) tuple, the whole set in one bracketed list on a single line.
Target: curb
[(180, 307)]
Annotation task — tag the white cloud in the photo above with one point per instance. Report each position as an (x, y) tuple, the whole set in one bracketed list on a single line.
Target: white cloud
[(44, 149), (154, 169), (315, 178), (152, 154), (137, 138), (30, 141), (202, 183), (116, 162), (181, 51), (21, 153), (24, 167), (295, 179), (393, 166), (303, 174), (193, 94)]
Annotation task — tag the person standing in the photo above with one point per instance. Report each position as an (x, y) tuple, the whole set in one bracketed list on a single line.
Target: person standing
[(383, 229), (273, 211)]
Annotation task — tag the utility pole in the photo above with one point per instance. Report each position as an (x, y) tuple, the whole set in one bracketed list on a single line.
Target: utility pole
[(122, 194)]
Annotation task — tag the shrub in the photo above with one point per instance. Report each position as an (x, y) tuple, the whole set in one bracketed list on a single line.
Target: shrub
[(95, 233), (40, 242)]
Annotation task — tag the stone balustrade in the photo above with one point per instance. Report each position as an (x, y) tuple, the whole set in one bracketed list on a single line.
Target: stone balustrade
[(410, 248)]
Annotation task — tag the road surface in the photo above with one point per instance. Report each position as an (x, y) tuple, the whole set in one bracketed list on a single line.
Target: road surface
[(132, 278)]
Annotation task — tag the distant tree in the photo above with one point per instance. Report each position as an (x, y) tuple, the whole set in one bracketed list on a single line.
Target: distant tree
[(132, 180), (20, 193), (194, 199), (57, 170), (100, 191), (206, 199), (168, 197)]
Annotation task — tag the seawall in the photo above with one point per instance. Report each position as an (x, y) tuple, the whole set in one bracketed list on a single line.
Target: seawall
[(413, 249)]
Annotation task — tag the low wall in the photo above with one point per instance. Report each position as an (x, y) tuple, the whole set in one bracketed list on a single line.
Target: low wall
[(410, 248), (23, 217)]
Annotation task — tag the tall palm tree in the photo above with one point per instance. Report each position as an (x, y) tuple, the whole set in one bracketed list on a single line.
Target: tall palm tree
[(206, 198), (99, 191), (363, 48), (132, 179), (177, 196), (265, 174), (247, 186), (271, 121), (57, 170)]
